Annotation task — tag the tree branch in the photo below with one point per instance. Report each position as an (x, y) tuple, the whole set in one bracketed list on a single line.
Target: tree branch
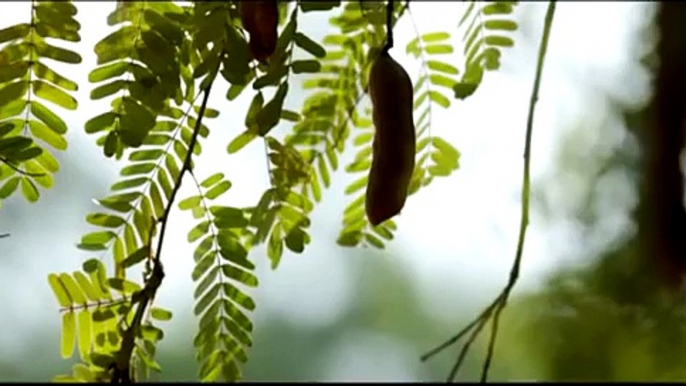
[(495, 309), (122, 368)]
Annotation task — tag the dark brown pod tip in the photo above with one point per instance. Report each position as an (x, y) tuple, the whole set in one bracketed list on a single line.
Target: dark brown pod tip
[(261, 18)]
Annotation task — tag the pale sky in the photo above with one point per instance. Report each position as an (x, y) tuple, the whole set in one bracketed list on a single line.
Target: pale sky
[(459, 234)]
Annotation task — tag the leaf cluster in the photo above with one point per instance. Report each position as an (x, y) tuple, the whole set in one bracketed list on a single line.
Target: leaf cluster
[(30, 88), (92, 320), (151, 70)]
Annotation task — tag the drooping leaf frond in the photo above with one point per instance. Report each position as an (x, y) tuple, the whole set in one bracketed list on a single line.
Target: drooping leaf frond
[(436, 75), (129, 219), (29, 127), (141, 63), (92, 317), (222, 267), (485, 34)]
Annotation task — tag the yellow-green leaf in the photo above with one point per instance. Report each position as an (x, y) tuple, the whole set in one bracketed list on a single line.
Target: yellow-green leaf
[(14, 32), (53, 94), (29, 190), (87, 286), (160, 314), (52, 120), (68, 334), (57, 53), (58, 289), (218, 190), (13, 91), (42, 132), (72, 288), (44, 72), (108, 71), (85, 333), (9, 187), (211, 180), (240, 141)]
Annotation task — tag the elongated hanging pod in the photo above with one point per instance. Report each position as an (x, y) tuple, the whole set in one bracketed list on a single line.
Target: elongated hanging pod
[(261, 18), (394, 144)]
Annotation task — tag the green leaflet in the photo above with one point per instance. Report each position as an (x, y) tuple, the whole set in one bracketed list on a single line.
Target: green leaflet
[(14, 32), (305, 66), (68, 334), (44, 72), (42, 132), (29, 190), (270, 114), (309, 45), (13, 71), (52, 120), (57, 53)]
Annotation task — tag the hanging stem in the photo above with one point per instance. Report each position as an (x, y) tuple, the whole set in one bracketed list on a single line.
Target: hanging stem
[(389, 26), (496, 307), (526, 189)]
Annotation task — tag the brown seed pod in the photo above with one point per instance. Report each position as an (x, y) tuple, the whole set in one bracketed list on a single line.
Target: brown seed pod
[(261, 18), (394, 144)]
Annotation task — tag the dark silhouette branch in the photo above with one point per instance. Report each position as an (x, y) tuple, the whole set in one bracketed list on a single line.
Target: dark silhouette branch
[(122, 367)]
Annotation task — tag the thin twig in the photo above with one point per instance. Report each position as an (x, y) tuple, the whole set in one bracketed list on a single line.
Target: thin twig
[(3, 235), (122, 369), (526, 186), (485, 314), (498, 305), (99, 304), (186, 164), (16, 169), (465, 349)]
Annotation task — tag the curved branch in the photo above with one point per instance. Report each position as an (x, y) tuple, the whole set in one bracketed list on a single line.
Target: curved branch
[(122, 370), (186, 162), (495, 309)]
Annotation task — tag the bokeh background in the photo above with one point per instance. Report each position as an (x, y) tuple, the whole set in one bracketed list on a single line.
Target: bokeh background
[(363, 314)]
